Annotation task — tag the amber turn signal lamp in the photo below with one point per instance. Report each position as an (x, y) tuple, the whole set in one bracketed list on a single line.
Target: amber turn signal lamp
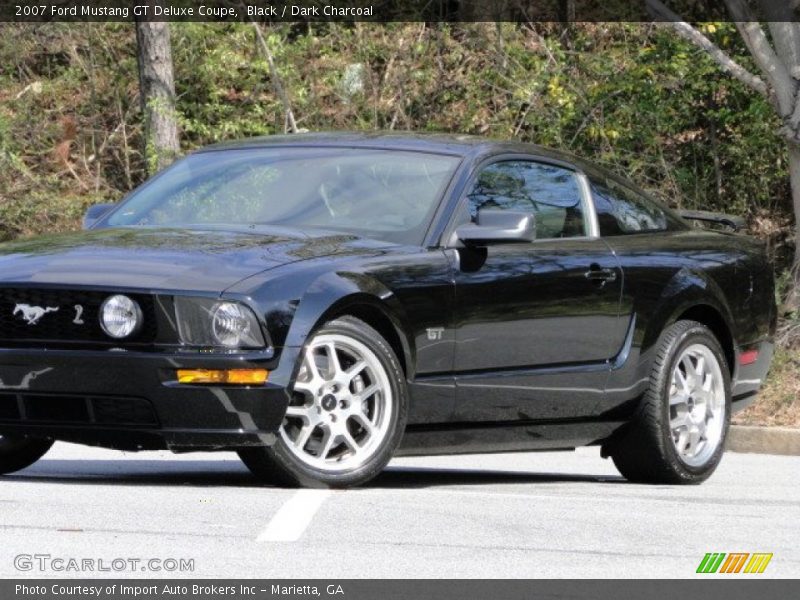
[(224, 377)]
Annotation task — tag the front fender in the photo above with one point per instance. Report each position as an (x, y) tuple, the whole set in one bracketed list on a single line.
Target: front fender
[(329, 296)]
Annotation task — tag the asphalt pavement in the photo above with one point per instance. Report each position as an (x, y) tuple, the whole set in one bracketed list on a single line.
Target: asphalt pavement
[(556, 514)]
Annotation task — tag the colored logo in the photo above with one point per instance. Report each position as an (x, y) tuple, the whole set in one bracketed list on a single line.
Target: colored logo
[(734, 562)]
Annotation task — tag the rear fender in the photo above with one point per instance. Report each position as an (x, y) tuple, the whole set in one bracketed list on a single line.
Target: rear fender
[(687, 289)]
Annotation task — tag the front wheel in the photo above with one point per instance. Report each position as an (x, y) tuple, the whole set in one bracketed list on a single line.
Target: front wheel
[(679, 432), (346, 415), (17, 453)]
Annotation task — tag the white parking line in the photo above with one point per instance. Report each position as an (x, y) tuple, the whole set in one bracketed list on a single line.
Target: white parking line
[(294, 517)]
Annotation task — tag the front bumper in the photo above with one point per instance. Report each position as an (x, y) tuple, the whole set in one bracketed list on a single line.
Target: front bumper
[(131, 400)]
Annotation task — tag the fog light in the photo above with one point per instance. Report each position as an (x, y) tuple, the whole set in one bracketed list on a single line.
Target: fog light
[(224, 377), (120, 316)]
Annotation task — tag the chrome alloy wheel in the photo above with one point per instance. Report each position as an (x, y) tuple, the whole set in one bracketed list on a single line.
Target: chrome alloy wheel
[(697, 405), (341, 407)]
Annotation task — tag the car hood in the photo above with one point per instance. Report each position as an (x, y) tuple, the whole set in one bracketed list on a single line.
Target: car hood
[(208, 260)]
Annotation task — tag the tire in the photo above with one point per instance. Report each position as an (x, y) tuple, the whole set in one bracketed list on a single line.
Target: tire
[(346, 417), (17, 453), (678, 433)]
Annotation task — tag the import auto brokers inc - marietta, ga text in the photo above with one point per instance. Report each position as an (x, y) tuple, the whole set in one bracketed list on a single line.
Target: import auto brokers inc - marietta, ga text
[(202, 591)]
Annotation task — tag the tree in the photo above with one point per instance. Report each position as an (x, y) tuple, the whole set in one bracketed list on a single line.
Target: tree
[(291, 124), (777, 58), (157, 92)]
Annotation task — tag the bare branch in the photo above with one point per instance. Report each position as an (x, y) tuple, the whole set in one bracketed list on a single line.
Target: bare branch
[(276, 79), (785, 32), (786, 37), (691, 34), (764, 55)]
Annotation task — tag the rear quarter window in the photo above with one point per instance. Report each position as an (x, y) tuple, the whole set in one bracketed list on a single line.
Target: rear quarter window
[(622, 210)]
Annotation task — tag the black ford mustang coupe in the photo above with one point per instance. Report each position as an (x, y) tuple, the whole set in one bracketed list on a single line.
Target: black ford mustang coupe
[(321, 303)]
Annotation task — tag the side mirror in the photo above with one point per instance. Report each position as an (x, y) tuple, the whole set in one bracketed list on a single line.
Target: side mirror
[(498, 227), (94, 213)]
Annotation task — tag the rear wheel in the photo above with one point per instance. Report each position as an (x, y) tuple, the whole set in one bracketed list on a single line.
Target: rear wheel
[(679, 432), (346, 415), (17, 453)]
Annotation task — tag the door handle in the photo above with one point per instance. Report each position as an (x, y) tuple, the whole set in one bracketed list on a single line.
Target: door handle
[(595, 273)]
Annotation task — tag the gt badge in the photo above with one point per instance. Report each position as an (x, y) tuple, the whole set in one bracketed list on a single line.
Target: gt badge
[(32, 314), (435, 333)]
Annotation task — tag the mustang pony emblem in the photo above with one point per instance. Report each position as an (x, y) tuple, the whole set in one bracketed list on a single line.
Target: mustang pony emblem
[(25, 384), (32, 314)]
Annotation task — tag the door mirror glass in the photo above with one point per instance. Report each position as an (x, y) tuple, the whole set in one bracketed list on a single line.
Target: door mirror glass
[(494, 226)]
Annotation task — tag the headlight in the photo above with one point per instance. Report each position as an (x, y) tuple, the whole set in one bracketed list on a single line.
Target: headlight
[(120, 317), (230, 324), (207, 322)]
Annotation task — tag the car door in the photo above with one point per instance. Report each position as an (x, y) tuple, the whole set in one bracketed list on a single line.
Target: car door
[(535, 323), (646, 239)]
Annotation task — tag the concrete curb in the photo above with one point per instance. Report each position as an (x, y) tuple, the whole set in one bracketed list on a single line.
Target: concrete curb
[(763, 440)]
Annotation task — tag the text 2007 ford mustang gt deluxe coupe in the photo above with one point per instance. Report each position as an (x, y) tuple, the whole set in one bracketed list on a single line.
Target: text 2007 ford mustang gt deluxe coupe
[(320, 303)]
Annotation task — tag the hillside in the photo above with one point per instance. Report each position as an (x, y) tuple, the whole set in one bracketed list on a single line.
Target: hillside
[(633, 97)]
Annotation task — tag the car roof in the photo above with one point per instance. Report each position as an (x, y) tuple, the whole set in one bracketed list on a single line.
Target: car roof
[(456, 144)]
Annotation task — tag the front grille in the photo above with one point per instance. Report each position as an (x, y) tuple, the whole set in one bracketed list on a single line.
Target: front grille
[(9, 408), (64, 409), (64, 324), (124, 411), (75, 410)]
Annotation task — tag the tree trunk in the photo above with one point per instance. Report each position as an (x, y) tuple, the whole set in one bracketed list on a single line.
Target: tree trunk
[(157, 92), (792, 302)]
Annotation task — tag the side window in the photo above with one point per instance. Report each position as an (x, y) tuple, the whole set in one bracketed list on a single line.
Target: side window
[(552, 193), (621, 210)]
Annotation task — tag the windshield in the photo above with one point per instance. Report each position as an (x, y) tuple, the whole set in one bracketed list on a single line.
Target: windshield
[(389, 195)]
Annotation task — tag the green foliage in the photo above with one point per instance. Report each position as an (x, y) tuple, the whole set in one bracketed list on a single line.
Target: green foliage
[(64, 91), (634, 97)]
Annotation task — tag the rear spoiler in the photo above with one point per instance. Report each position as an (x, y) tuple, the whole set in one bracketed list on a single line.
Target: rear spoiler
[(735, 223)]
